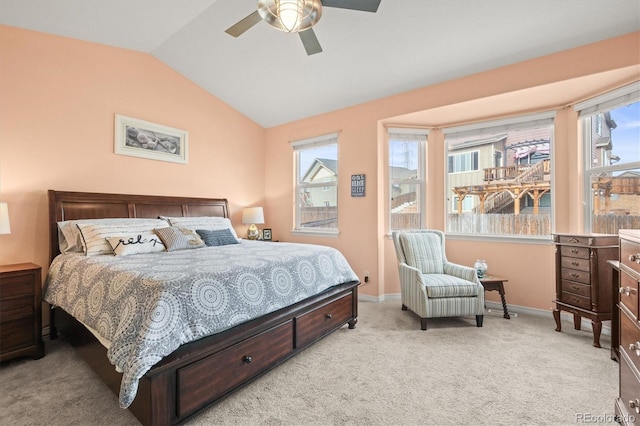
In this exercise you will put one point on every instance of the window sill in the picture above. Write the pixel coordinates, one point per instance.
(332, 233)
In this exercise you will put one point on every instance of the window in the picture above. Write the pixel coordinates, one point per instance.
(465, 162)
(499, 177)
(406, 178)
(611, 140)
(316, 192)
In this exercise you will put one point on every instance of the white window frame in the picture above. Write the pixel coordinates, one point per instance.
(299, 146)
(411, 135)
(470, 154)
(620, 97)
(543, 118)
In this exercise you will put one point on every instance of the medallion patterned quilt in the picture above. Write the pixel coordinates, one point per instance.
(147, 305)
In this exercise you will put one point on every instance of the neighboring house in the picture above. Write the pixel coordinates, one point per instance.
(321, 170)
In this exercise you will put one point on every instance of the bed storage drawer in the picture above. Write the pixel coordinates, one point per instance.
(311, 325)
(231, 367)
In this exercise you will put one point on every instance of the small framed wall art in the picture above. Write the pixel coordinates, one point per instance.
(266, 234)
(139, 138)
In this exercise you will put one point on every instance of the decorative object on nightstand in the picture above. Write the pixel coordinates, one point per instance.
(252, 216)
(481, 268)
(266, 234)
(583, 279)
(20, 311)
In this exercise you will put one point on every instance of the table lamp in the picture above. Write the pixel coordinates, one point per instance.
(252, 216)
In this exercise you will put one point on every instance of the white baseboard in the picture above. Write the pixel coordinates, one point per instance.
(497, 306)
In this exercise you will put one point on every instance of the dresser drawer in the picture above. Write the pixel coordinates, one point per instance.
(575, 300)
(574, 275)
(16, 285)
(321, 320)
(583, 290)
(575, 263)
(232, 366)
(17, 334)
(629, 293)
(16, 308)
(630, 254)
(630, 338)
(579, 252)
(582, 240)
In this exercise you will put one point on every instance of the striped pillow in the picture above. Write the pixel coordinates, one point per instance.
(218, 237)
(179, 238)
(94, 235)
(203, 222)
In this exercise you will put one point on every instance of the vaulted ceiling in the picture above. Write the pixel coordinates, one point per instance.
(266, 74)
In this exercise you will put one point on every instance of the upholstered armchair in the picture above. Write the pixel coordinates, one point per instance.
(430, 285)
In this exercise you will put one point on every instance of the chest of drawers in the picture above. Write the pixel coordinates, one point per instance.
(20, 311)
(583, 279)
(627, 404)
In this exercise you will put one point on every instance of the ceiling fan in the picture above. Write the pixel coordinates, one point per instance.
(298, 16)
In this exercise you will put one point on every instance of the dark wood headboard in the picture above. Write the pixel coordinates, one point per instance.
(65, 205)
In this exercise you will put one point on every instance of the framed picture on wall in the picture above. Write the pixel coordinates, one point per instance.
(139, 138)
(266, 234)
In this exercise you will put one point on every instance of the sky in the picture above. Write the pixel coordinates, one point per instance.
(626, 137)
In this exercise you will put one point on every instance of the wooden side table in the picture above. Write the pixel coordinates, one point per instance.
(20, 311)
(492, 283)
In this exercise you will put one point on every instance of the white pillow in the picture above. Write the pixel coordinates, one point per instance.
(203, 222)
(94, 235)
(142, 242)
(70, 238)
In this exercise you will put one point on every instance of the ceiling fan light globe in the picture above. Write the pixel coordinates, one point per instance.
(290, 15)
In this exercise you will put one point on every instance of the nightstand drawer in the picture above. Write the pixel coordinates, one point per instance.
(17, 334)
(20, 311)
(16, 285)
(16, 308)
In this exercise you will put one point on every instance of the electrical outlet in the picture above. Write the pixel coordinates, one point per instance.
(366, 276)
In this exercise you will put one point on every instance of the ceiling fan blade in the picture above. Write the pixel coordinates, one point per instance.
(244, 24)
(363, 5)
(310, 41)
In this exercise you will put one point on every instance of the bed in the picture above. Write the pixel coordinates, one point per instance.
(205, 367)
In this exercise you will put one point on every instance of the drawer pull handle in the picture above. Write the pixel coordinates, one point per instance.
(634, 258)
(575, 275)
(635, 347)
(575, 263)
(627, 291)
(574, 240)
(574, 251)
(248, 359)
(328, 316)
(635, 404)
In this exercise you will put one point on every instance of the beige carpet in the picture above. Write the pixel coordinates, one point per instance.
(385, 372)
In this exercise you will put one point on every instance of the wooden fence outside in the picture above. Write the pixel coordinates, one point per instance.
(319, 217)
(500, 224)
(610, 224)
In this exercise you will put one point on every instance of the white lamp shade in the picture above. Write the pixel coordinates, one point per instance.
(252, 215)
(5, 226)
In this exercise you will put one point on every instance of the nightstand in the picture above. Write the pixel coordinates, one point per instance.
(20, 311)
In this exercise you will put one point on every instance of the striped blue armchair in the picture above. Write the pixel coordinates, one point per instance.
(430, 285)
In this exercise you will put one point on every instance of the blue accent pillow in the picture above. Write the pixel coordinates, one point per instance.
(217, 237)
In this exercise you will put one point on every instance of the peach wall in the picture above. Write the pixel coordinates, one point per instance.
(58, 97)
(550, 82)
